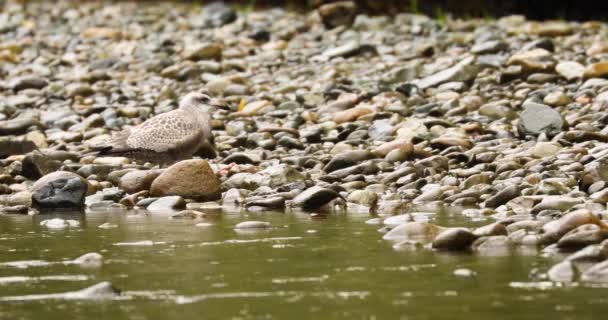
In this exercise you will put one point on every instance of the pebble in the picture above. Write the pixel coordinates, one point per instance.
(253, 225)
(538, 118)
(58, 223)
(166, 205)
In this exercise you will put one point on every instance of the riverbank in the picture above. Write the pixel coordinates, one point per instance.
(332, 112)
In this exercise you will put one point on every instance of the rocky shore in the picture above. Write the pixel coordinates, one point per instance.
(332, 112)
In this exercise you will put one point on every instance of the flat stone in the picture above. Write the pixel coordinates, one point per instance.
(538, 118)
(167, 205)
(464, 70)
(535, 60)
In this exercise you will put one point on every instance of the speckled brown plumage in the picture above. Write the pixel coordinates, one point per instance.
(167, 137)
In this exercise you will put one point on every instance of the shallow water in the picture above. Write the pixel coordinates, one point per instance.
(332, 268)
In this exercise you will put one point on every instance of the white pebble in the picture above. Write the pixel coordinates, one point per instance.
(462, 272)
(58, 223)
(253, 225)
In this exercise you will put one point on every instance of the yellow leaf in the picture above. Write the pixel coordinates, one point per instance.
(242, 104)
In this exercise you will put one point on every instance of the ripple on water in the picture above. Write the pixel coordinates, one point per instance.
(27, 279)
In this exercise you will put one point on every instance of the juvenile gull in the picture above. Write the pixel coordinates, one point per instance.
(168, 137)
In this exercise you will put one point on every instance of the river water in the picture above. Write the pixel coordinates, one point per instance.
(337, 267)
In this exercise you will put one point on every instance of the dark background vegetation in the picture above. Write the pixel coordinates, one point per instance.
(533, 9)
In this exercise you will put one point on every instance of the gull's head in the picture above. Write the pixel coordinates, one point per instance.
(199, 99)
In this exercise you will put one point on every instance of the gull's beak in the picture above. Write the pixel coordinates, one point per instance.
(218, 103)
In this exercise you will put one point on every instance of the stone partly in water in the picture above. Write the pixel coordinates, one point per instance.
(253, 225)
(192, 179)
(58, 223)
(167, 205)
(59, 190)
(454, 239)
(582, 236)
(419, 231)
(314, 197)
(597, 273)
(564, 271)
(554, 230)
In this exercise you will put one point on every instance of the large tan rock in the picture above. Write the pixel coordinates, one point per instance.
(192, 179)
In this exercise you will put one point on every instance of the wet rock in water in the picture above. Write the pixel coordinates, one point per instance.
(58, 223)
(138, 180)
(591, 253)
(166, 205)
(491, 244)
(89, 260)
(340, 13)
(314, 197)
(102, 290)
(397, 220)
(538, 118)
(59, 190)
(193, 179)
(421, 231)
(564, 271)
(253, 225)
(188, 214)
(463, 272)
(19, 209)
(454, 239)
(554, 230)
(363, 197)
(493, 229)
(597, 273)
(269, 203)
(408, 245)
(582, 236)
